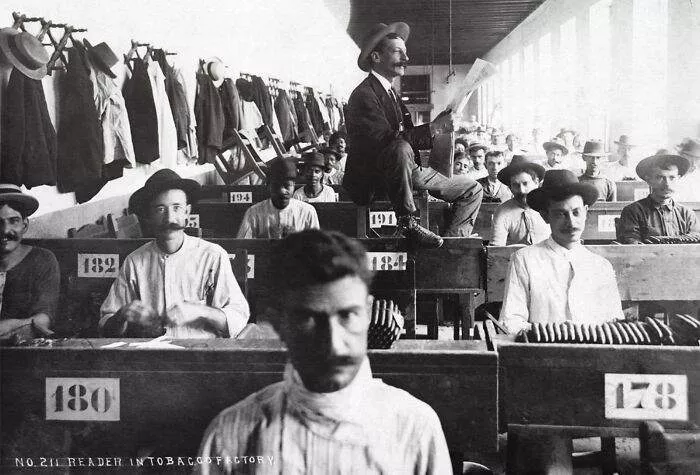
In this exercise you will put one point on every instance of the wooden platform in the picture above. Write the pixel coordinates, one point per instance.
(166, 398)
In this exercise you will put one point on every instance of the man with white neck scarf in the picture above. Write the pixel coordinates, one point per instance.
(329, 415)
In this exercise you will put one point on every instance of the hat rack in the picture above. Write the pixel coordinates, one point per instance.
(19, 21)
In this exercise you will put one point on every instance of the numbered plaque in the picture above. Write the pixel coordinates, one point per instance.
(82, 399)
(98, 265)
(240, 197)
(646, 396)
(606, 223)
(387, 261)
(378, 219)
(193, 221)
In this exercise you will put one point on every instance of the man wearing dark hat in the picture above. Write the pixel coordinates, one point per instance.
(177, 285)
(383, 143)
(477, 153)
(658, 214)
(29, 275)
(314, 191)
(689, 189)
(514, 221)
(619, 169)
(556, 154)
(329, 415)
(281, 214)
(494, 190)
(594, 155)
(559, 280)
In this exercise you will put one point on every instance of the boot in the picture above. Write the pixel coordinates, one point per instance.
(418, 234)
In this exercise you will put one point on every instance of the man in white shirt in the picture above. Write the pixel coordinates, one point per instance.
(314, 191)
(280, 214)
(558, 279)
(329, 415)
(556, 155)
(514, 222)
(513, 147)
(477, 153)
(494, 190)
(620, 168)
(176, 285)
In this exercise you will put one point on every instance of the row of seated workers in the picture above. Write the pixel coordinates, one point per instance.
(326, 413)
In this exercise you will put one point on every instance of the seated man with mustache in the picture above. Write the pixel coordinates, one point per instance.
(329, 414)
(29, 276)
(177, 285)
(558, 279)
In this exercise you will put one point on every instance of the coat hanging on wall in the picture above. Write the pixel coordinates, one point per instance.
(138, 96)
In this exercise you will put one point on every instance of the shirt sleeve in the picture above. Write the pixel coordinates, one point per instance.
(48, 283)
(612, 295)
(122, 292)
(515, 311)
(208, 449)
(312, 219)
(692, 226)
(245, 230)
(228, 298)
(499, 229)
(628, 229)
(433, 455)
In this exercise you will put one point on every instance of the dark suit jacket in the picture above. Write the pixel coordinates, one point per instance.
(372, 124)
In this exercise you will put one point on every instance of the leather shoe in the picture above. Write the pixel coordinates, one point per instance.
(418, 234)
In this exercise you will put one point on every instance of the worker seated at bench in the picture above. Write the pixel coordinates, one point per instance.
(329, 415)
(177, 285)
(29, 275)
(514, 221)
(335, 173)
(658, 214)
(494, 190)
(558, 279)
(314, 191)
(281, 214)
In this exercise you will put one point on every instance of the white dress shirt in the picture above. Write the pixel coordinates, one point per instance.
(327, 195)
(199, 272)
(513, 224)
(264, 221)
(546, 282)
(368, 427)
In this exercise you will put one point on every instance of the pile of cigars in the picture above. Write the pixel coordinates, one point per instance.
(684, 330)
(385, 326)
(672, 240)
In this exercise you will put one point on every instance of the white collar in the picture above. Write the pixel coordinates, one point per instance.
(386, 84)
(561, 250)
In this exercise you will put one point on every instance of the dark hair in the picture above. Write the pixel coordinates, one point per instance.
(20, 208)
(461, 155)
(382, 43)
(335, 137)
(463, 142)
(533, 174)
(494, 153)
(317, 257)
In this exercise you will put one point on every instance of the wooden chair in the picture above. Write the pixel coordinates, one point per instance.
(124, 227)
(245, 143)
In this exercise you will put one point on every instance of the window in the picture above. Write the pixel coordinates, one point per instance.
(568, 56)
(597, 80)
(544, 86)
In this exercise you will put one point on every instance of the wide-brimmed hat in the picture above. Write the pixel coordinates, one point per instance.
(557, 185)
(102, 57)
(625, 140)
(519, 164)
(594, 148)
(12, 194)
(375, 35)
(160, 181)
(547, 146)
(645, 165)
(314, 159)
(281, 169)
(690, 147)
(24, 51)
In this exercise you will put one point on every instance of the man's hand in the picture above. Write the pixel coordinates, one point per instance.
(143, 318)
(443, 123)
(185, 312)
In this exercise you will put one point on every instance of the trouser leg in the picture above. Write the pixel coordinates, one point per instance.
(395, 165)
(463, 192)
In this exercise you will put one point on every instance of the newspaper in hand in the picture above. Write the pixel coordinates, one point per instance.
(480, 71)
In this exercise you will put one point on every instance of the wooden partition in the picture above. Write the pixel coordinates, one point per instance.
(644, 271)
(159, 402)
(631, 190)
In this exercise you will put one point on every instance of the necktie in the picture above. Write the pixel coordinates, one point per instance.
(528, 228)
(397, 108)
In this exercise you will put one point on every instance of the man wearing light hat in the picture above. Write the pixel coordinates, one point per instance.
(281, 214)
(594, 154)
(177, 285)
(620, 169)
(383, 143)
(558, 279)
(658, 214)
(314, 191)
(689, 186)
(556, 154)
(29, 275)
(514, 221)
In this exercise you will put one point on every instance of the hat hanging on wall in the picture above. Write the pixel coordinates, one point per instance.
(24, 51)
(102, 56)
